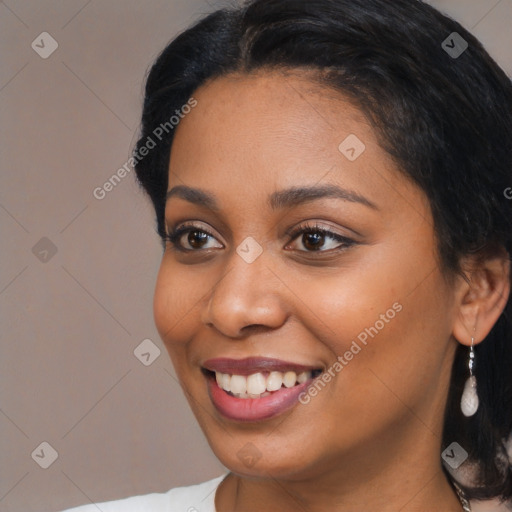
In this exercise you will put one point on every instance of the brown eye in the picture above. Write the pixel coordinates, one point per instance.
(318, 239)
(193, 238)
(197, 239)
(313, 241)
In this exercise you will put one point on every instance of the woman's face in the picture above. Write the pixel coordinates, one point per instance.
(258, 289)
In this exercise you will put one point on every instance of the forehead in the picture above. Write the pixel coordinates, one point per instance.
(268, 130)
(284, 102)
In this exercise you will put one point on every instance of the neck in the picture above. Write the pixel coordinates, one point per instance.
(404, 476)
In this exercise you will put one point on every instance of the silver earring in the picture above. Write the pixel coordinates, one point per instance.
(469, 401)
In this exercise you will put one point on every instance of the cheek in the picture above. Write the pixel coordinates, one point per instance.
(390, 314)
(339, 307)
(176, 303)
(403, 358)
(392, 343)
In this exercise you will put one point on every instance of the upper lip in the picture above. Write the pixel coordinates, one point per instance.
(251, 365)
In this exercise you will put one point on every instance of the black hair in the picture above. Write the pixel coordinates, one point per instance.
(445, 118)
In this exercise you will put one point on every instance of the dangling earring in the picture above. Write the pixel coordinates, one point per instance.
(469, 401)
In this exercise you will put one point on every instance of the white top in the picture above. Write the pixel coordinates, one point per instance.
(194, 498)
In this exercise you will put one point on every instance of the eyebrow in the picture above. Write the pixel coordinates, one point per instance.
(194, 195)
(297, 195)
(281, 199)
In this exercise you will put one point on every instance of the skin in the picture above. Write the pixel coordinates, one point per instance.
(371, 439)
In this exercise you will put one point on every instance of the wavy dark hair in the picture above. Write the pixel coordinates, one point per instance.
(446, 120)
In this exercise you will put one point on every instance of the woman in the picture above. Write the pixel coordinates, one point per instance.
(331, 182)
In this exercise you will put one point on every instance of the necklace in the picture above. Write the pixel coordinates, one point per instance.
(462, 498)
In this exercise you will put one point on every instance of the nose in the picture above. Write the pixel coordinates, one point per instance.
(248, 296)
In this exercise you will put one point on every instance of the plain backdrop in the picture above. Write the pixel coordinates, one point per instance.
(77, 272)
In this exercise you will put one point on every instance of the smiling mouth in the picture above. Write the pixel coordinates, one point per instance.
(260, 384)
(256, 389)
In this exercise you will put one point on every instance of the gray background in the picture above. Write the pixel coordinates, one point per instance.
(72, 320)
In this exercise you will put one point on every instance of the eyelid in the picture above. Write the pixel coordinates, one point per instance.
(344, 241)
(176, 232)
(324, 225)
(192, 224)
(314, 225)
(174, 235)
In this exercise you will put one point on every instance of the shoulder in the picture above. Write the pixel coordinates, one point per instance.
(193, 498)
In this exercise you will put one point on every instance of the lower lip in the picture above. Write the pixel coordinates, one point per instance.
(254, 409)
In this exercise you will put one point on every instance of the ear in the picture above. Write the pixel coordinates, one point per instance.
(481, 296)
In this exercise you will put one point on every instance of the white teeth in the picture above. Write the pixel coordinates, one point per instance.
(225, 381)
(289, 380)
(257, 385)
(303, 377)
(274, 381)
(238, 384)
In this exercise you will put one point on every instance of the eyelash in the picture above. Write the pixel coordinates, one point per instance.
(174, 236)
(315, 228)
